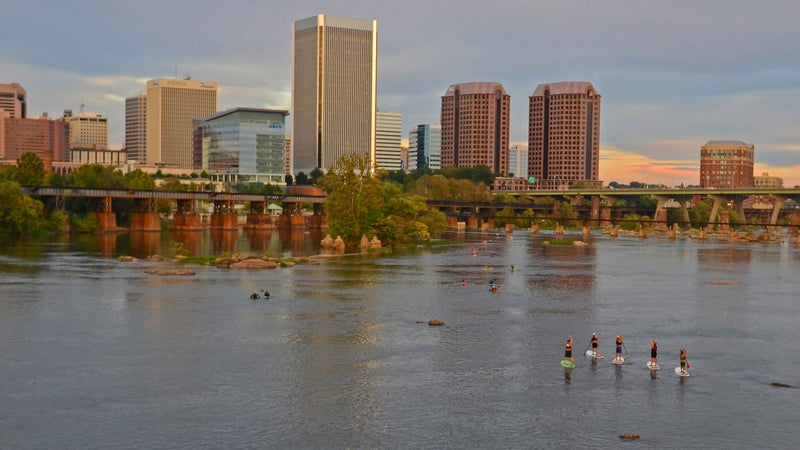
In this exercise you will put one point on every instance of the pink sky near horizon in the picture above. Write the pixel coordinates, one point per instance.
(625, 166)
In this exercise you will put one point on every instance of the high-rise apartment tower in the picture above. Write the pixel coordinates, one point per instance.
(334, 88)
(726, 164)
(475, 121)
(171, 106)
(564, 134)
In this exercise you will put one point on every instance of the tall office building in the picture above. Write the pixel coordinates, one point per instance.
(242, 145)
(518, 162)
(425, 146)
(87, 130)
(388, 136)
(564, 134)
(475, 121)
(172, 104)
(47, 138)
(136, 127)
(334, 88)
(13, 100)
(726, 164)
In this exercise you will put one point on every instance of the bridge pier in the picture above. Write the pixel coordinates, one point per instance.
(106, 217)
(185, 217)
(258, 217)
(605, 218)
(660, 218)
(224, 216)
(107, 220)
(145, 217)
(318, 220)
(288, 221)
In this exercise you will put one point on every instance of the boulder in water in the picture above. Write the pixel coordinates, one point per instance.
(629, 436)
(168, 272)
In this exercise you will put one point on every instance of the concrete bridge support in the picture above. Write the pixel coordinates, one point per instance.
(224, 216)
(605, 218)
(146, 217)
(258, 217)
(105, 216)
(318, 220)
(185, 217)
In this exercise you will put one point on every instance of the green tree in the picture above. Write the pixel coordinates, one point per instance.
(19, 213)
(9, 173)
(301, 179)
(504, 216)
(354, 200)
(315, 175)
(31, 170)
(140, 180)
(95, 176)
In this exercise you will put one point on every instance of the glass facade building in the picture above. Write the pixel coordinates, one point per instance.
(425, 146)
(242, 145)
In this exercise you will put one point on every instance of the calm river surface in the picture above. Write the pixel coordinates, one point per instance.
(95, 353)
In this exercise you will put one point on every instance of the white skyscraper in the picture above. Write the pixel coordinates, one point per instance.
(388, 135)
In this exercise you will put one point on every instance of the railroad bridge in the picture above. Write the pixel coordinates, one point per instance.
(187, 216)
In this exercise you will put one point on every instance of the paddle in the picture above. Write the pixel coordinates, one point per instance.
(627, 353)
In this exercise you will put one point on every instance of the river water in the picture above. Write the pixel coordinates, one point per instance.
(95, 353)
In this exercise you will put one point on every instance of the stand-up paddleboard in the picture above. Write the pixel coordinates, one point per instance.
(680, 372)
(618, 361)
(594, 355)
(566, 364)
(653, 366)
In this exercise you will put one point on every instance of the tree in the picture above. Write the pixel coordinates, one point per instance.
(140, 180)
(19, 213)
(301, 179)
(354, 199)
(95, 176)
(315, 175)
(289, 179)
(31, 170)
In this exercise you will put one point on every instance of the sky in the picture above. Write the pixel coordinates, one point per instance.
(672, 74)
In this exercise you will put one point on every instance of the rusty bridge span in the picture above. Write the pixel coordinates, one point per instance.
(187, 215)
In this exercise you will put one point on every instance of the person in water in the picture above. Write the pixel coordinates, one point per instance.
(683, 360)
(595, 343)
(618, 356)
(266, 293)
(254, 295)
(653, 352)
(568, 349)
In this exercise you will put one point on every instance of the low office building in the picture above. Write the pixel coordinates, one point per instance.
(242, 145)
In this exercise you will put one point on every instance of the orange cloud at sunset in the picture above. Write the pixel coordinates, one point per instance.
(624, 166)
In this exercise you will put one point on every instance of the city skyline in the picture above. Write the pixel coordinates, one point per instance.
(673, 76)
